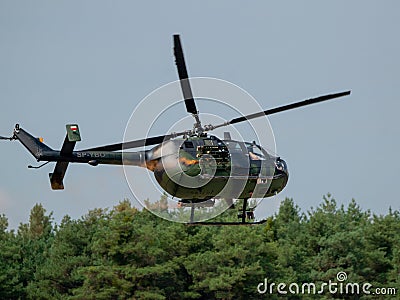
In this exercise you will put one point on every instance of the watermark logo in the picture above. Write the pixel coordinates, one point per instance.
(341, 276)
(340, 286)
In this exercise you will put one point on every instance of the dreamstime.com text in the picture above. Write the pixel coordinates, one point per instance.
(340, 287)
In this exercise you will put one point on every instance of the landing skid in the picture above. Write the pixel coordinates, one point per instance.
(243, 216)
(226, 223)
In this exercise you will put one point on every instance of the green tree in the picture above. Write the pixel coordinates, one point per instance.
(57, 276)
(124, 253)
(232, 266)
(22, 253)
(10, 285)
(135, 254)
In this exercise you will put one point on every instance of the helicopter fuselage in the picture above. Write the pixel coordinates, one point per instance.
(206, 167)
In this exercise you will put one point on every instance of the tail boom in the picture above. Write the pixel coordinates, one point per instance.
(34, 145)
(66, 155)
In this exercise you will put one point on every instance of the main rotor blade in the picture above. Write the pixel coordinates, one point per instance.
(283, 108)
(183, 76)
(135, 144)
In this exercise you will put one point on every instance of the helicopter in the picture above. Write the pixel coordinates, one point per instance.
(193, 165)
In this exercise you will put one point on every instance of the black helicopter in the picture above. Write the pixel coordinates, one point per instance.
(191, 165)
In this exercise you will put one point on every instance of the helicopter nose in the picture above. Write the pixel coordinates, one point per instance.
(281, 165)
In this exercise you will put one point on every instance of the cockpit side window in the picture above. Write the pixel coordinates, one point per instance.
(208, 143)
(189, 144)
(234, 147)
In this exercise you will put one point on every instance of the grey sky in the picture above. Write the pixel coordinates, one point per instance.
(91, 62)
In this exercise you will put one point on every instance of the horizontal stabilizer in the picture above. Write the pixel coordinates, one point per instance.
(56, 178)
(73, 136)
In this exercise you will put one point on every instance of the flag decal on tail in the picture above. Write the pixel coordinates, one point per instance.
(73, 133)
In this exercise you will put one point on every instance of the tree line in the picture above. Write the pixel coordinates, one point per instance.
(124, 253)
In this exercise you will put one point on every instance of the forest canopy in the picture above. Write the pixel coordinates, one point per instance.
(123, 253)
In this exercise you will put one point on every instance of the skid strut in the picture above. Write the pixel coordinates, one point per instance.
(243, 215)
